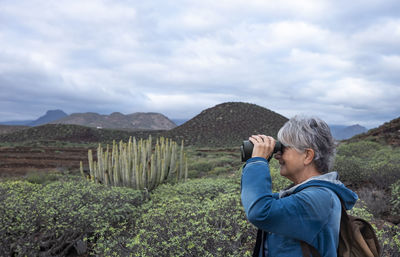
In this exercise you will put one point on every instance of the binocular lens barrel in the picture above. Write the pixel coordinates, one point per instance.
(247, 149)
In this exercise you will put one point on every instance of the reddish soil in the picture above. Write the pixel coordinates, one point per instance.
(17, 161)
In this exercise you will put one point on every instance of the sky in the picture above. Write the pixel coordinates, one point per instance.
(337, 60)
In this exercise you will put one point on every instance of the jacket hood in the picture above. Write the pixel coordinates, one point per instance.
(329, 180)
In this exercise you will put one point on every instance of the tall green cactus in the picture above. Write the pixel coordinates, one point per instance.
(135, 164)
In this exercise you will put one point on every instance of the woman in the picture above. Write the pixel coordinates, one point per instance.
(310, 210)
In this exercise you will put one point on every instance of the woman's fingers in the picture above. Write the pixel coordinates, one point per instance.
(263, 145)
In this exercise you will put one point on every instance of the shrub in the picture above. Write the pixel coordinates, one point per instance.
(212, 165)
(37, 177)
(278, 182)
(360, 210)
(368, 162)
(375, 200)
(389, 238)
(197, 218)
(395, 199)
(61, 218)
(220, 171)
(200, 167)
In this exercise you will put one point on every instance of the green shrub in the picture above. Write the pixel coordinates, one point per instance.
(368, 162)
(40, 177)
(389, 238)
(395, 199)
(278, 181)
(201, 166)
(198, 218)
(61, 218)
(220, 171)
(212, 162)
(360, 210)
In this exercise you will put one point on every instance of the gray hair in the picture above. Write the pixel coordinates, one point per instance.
(302, 132)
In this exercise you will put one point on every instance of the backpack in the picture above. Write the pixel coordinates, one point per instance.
(357, 238)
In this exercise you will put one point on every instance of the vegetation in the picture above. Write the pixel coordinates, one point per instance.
(54, 134)
(367, 162)
(227, 124)
(210, 208)
(212, 162)
(135, 165)
(63, 217)
(49, 214)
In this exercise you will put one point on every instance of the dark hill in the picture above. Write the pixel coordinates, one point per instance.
(228, 124)
(4, 129)
(71, 133)
(388, 133)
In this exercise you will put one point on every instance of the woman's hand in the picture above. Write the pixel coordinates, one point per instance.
(263, 145)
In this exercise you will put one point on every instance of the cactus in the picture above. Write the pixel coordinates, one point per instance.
(134, 164)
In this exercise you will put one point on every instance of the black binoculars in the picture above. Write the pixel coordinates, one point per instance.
(247, 149)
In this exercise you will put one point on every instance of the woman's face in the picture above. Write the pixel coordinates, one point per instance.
(291, 162)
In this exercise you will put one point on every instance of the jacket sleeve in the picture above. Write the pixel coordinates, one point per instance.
(300, 216)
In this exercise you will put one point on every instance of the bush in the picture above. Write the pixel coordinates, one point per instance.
(197, 218)
(375, 200)
(395, 199)
(389, 238)
(368, 162)
(37, 177)
(63, 217)
(212, 165)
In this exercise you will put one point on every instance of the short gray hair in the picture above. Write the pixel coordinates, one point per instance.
(302, 132)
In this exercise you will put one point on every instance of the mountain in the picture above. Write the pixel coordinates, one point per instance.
(116, 120)
(387, 133)
(227, 124)
(340, 132)
(179, 121)
(50, 116)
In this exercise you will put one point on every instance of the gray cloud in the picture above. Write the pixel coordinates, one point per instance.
(334, 59)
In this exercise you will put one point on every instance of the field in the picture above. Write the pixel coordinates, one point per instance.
(49, 209)
(24, 159)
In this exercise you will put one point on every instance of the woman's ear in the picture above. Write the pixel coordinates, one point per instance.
(309, 156)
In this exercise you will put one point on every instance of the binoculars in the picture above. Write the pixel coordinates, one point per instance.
(246, 149)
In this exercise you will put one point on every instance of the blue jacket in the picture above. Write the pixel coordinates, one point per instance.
(307, 212)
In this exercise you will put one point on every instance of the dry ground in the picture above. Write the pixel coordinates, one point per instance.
(17, 161)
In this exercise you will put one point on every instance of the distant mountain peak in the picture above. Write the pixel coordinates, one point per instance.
(50, 116)
(57, 111)
(341, 132)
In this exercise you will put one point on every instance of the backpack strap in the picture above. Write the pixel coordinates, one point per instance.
(259, 244)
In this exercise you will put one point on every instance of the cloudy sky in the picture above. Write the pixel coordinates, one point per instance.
(339, 60)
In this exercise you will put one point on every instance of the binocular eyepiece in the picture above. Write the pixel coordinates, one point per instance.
(247, 149)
